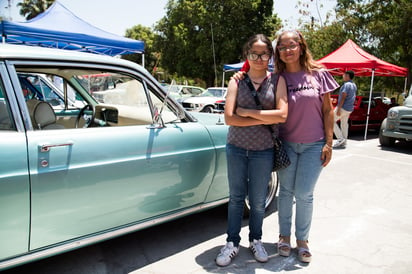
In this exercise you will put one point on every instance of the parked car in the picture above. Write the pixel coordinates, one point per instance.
(385, 100)
(39, 86)
(85, 172)
(357, 119)
(206, 101)
(220, 106)
(180, 92)
(398, 123)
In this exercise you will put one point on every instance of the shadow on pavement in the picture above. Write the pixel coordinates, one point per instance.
(400, 147)
(138, 249)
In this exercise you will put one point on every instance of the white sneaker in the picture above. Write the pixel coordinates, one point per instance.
(340, 144)
(259, 251)
(227, 253)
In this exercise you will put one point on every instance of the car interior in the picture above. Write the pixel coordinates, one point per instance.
(61, 98)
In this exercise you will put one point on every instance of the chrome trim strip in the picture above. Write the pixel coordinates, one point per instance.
(8, 263)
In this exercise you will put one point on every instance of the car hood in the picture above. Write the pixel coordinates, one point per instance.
(208, 118)
(408, 102)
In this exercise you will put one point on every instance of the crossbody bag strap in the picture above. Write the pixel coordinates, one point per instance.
(274, 79)
(253, 90)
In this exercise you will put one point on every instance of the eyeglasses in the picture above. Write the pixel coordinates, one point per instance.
(290, 47)
(254, 56)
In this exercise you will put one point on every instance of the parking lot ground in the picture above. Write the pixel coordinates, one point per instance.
(362, 224)
(362, 221)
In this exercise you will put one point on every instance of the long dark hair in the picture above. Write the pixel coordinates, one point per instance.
(305, 59)
(254, 39)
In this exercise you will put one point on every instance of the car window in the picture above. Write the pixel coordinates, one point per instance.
(128, 96)
(214, 92)
(87, 97)
(6, 122)
(45, 89)
(365, 103)
(196, 91)
(49, 88)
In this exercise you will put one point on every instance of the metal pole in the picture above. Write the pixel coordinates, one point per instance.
(369, 104)
(214, 56)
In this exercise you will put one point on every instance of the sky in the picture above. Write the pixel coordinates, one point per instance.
(123, 14)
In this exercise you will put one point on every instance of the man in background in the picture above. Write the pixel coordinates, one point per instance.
(344, 108)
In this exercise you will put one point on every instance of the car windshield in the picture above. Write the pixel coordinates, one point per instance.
(212, 92)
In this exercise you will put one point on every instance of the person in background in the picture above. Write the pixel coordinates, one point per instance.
(393, 102)
(307, 136)
(346, 100)
(249, 147)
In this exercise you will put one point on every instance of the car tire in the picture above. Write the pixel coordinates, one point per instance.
(384, 140)
(208, 109)
(270, 196)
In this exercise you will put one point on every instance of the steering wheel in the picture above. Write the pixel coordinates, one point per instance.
(87, 117)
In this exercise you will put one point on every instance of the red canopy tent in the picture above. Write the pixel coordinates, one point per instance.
(350, 56)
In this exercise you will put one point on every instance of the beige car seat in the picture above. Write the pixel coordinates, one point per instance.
(42, 115)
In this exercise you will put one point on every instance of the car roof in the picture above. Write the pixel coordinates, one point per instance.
(8, 51)
(22, 52)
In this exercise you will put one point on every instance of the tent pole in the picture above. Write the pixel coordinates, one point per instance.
(404, 86)
(369, 104)
(223, 79)
(142, 59)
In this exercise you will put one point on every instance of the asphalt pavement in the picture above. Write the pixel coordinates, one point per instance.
(362, 223)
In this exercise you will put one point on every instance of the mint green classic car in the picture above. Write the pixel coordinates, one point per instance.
(80, 165)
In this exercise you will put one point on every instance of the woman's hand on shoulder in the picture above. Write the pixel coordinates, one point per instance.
(238, 76)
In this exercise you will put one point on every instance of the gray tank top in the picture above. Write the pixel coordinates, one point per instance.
(254, 137)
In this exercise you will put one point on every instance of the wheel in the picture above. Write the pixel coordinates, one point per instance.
(208, 109)
(270, 196)
(82, 113)
(384, 140)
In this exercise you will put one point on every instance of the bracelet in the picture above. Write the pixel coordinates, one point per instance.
(328, 146)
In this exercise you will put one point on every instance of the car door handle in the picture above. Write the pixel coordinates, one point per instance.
(47, 147)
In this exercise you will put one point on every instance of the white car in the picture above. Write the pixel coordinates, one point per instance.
(385, 100)
(206, 102)
(398, 123)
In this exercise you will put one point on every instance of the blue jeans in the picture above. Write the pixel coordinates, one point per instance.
(298, 181)
(249, 172)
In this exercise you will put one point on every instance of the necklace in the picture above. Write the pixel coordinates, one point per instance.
(260, 78)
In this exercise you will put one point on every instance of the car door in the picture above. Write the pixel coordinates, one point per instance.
(87, 180)
(14, 175)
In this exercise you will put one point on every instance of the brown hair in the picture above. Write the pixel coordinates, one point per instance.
(305, 59)
(254, 39)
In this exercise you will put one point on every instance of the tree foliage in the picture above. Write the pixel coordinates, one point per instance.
(31, 8)
(151, 55)
(381, 27)
(197, 36)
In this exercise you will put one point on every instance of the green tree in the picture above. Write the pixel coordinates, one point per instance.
(31, 8)
(196, 36)
(151, 56)
(384, 29)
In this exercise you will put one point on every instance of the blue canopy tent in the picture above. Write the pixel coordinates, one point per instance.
(59, 28)
(230, 67)
(237, 67)
(233, 67)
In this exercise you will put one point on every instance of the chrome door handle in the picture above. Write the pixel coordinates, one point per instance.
(46, 147)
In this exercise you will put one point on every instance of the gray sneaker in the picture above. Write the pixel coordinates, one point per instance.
(226, 254)
(259, 251)
(340, 144)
